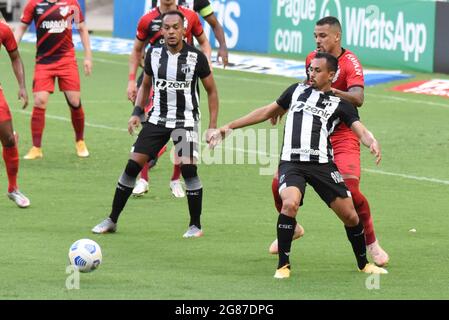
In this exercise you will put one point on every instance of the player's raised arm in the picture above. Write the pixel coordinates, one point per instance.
(259, 115)
(84, 35)
(367, 139)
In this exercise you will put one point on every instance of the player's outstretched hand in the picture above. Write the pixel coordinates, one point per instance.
(275, 120)
(217, 135)
(87, 67)
(222, 55)
(23, 95)
(133, 124)
(375, 150)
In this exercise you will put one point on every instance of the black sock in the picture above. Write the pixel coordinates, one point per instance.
(195, 199)
(285, 229)
(124, 189)
(356, 236)
(122, 193)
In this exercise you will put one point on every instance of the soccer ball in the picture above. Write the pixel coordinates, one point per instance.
(85, 255)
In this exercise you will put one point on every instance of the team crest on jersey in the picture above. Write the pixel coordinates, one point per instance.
(64, 11)
(40, 11)
(185, 68)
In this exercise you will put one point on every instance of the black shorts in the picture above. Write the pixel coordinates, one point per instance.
(152, 138)
(323, 177)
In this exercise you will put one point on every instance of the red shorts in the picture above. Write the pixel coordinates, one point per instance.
(65, 70)
(347, 156)
(5, 114)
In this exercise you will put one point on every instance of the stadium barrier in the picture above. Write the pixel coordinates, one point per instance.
(405, 34)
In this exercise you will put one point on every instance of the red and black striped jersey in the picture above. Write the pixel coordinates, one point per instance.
(53, 28)
(7, 37)
(149, 26)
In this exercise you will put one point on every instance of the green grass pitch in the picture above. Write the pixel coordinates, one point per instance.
(148, 258)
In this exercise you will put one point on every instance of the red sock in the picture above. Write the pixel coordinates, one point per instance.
(144, 172)
(11, 157)
(37, 126)
(362, 207)
(78, 122)
(275, 190)
(176, 172)
(162, 151)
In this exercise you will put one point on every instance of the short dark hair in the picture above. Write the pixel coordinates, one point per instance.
(173, 12)
(332, 21)
(331, 61)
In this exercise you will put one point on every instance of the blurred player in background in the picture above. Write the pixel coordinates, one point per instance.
(205, 10)
(7, 135)
(55, 58)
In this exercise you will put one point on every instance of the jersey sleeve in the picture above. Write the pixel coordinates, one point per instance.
(285, 99)
(28, 12)
(348, 113)
(203, 69)
(354, 73)
(142, 28)
(203, 7)
(197, 28)
(7, 37)
(80, 17)
(148, 69)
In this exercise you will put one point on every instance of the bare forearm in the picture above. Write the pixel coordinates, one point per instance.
(142, 95)
(19, 72)
(20, 31)
(213, 109)
(84, 35)
(219, 35)
(355, 97)
(254, 117)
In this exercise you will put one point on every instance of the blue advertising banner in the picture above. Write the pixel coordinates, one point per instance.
(126, 16)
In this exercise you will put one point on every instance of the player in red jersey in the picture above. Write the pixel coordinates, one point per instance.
(205, 10)
(7, 136)
(349, 85)
(55, 58)
(149, 32)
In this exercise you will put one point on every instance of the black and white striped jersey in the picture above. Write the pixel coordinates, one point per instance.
(175, 80)
(311, 119)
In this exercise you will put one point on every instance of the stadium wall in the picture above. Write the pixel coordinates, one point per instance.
(384, 33)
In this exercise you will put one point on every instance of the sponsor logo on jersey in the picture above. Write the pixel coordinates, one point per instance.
(40, 11)
(177, 85)
(322, 113)
(54, 26)
(312, 152)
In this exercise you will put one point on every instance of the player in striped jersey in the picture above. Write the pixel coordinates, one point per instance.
(349, 85)
(306, 157)
(149, 32)
(7, 136)
(55, 58)
(174, 70)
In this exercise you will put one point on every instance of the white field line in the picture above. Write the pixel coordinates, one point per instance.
(99, 126)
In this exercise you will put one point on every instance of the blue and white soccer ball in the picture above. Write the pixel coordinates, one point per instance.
(85, 255)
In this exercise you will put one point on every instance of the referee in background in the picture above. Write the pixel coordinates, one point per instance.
(173, 70)
(307, 155)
